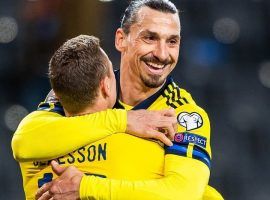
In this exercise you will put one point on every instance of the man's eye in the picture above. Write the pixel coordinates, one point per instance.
(149, 38)
(173, 42)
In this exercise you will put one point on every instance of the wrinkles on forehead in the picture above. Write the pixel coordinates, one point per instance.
(158, 18)
(164, 24)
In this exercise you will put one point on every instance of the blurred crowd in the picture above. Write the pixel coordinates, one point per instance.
(224, 63)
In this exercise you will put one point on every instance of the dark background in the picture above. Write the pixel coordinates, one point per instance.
(224, 62)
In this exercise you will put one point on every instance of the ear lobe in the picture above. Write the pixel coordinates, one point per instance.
(120, 40)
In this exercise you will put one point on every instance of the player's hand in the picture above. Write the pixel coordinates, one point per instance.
(159, 125)
(66, 186)
(51, 97)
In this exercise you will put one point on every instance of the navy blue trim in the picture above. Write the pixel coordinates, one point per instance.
(58, 108)
(147, 102)
(177, 149)
(202, 155)
(92, 174)
(198, 153)
(47, 177)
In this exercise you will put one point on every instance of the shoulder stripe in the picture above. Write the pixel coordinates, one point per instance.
(173, 96)
(185, 100)
(180, 102)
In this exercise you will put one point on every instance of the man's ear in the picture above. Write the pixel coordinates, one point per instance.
(105, 87)
(120, 40)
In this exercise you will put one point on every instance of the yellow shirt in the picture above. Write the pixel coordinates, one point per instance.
(121, 156)
(34, 143)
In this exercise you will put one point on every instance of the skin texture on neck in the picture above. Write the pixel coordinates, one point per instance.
(99, 105)
(133, 91)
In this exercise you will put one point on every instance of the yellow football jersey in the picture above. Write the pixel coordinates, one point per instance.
(122, 156)
(34, 159)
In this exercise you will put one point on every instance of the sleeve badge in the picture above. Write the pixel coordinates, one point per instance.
(190, 121)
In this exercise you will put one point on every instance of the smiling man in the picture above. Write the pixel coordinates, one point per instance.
(81, 75)
(149, 43)
(151, 47)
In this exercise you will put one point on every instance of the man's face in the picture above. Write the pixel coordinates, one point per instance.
(152, 46)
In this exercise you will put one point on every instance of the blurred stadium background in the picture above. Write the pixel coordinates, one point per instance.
(224, 62)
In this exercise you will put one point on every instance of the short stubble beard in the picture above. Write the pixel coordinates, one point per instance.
(153, 81)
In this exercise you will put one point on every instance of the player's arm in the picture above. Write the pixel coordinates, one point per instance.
(186, 175)
(187, 167)
(184, 179)
(43, 135)
(46, 134)
(185, 183)
(172, 186)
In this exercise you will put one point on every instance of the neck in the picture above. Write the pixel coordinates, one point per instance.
(96, 107)
(132, 89)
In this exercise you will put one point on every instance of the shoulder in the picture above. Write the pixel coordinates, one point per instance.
(184, 105)
(191, 116)
(176, 96)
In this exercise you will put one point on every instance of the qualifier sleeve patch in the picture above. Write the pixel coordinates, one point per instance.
(190, 120)
(186, 138)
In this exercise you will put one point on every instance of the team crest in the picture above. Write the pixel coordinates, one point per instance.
(190, 120)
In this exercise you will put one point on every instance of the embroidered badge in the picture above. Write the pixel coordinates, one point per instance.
(190, 120)
(187, 137)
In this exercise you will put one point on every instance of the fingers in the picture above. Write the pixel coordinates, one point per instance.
(175, 128)
(57, 168)
(44, 190)
(46, 196)
(166, 119)
(149, 124)
(168, 115)
(51, 97)
(161, 137)
(168, 112)
(170, 132)
(166, 122)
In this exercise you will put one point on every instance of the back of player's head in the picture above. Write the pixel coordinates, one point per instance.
(75, 72)
(130, 14)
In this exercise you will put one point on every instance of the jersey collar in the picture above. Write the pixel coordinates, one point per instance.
(147, 102)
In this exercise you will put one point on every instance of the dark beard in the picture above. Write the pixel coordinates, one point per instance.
(153, 81)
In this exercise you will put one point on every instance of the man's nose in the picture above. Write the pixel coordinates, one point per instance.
(161, 51)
